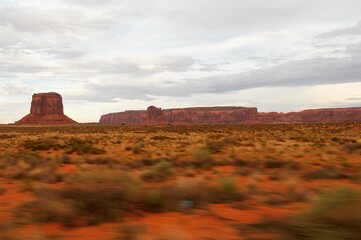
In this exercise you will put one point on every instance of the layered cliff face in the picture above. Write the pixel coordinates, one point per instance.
(200, 115)
(230, 115)
(127, 117)
(46, 108)
(326, 115)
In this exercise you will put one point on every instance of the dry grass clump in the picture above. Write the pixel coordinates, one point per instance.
(29, 165)
(274, 163)
(353, 148)
(94, 197)
(75, 206)
(41, 144)
(202, 158)
(82, 146)
(326, 172)
(72, 145)
(158, 172)
(226, 190)
(336, 214)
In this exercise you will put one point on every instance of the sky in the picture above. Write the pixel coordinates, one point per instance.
(115, 55)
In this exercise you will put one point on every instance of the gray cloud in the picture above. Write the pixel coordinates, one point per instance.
(354, 30)
(65, 53)
(102, 51)
(176, 63)
(57, 21)
(90, 3)
(293, 74)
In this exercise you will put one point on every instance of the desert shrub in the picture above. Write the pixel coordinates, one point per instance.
(244, 171)
(41, 144)
(158, 172)
(246, 163)
(215, 146)
(274, 163)
(202, 158)
(347, 164)
(183, 196)
(226, 190)
(353, 147)
(64, 158)
(293, 165)
(154, 200)
(75, 206)
(336, 214)
(327, 172)
(98, 176)
(29, 165)
(150, 161)
(161, 138)
(7, 136)
(101, 160)
(89, 199)
(81, 147)
(137, 148)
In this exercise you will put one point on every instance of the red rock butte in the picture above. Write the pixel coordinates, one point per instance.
(46, 108)
(229, 115)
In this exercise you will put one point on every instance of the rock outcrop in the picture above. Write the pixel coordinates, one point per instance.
(46, 108)
(325, 115)
(229, 115)
(197, 115)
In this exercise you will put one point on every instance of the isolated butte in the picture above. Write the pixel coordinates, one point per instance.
(46, 108)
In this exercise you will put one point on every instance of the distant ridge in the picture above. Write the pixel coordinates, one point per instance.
(229, 115)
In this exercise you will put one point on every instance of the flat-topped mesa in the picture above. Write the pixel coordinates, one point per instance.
(197, 115)
(46, 108)
(230, 115)
(323, 115)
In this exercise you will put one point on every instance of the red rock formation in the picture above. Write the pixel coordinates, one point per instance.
(199, 115)
(46, 108)
(230, 115)
(154, 114)
(127, 117)
(325, 115)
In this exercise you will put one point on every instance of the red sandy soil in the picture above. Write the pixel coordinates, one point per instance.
(216, 221)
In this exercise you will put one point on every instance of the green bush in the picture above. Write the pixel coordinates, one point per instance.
(202, 158)
(29, 165)
(41, 144)
(335, 215)
(137, 148)
(226, 190)
(153, 200)
(158, 172)
(81, 147)
(76, 206)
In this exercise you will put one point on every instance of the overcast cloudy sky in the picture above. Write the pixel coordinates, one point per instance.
(112, 55)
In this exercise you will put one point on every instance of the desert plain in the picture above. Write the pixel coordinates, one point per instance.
(251, 181)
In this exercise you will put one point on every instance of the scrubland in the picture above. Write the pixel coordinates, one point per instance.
(282, 181)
